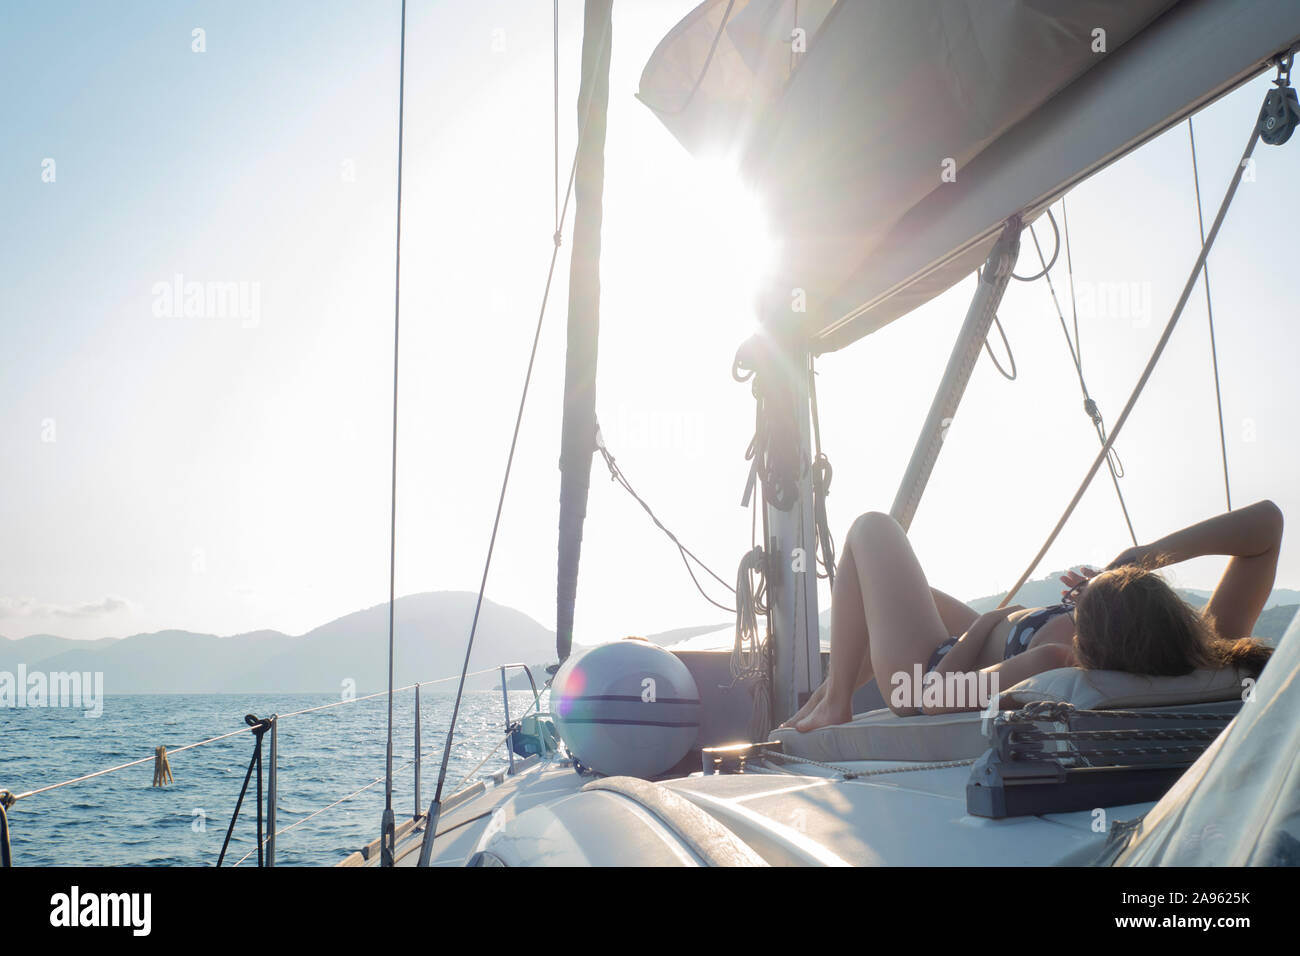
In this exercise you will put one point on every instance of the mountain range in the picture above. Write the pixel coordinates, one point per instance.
(430, 632)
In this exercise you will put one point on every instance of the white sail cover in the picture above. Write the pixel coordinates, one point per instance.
(1239, 804)
(1016, 100)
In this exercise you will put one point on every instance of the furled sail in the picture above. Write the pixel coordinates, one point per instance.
(578, 437)
(890, 153)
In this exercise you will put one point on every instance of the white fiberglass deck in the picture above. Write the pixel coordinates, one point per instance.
(911, 818)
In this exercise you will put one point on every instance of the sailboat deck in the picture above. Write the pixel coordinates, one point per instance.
(914, 817)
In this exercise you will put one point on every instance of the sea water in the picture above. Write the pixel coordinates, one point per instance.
(119, 819)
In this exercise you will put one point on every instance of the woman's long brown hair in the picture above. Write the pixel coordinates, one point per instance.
(1130, 619)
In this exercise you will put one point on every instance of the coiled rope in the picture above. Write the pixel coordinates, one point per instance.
(773, 462)
(749, 654)
(822, 472)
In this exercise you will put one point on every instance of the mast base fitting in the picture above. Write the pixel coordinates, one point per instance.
(733, 758)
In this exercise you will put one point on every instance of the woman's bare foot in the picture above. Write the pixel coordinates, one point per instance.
(807, 708)
(825, 714)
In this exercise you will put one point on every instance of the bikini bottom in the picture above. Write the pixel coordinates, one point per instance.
(939, 652)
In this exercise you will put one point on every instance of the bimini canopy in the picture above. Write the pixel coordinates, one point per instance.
(890, 152)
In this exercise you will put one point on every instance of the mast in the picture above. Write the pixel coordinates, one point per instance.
(792, 548)
(578, 435)
(779, 366)
(784, 371)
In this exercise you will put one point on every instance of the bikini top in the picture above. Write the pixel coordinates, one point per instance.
(1023, 630)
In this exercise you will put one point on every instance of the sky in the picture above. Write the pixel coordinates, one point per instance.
(230, 471)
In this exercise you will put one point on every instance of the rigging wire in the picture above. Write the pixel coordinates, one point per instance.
(496, 523)
(1069, 269)
(1209, 309)
(1151, 362)
(505, 480)
(387, 826)
(616, 474)
(1113, 463)
(555, 60)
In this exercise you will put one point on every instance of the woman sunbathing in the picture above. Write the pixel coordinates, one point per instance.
(886, 620)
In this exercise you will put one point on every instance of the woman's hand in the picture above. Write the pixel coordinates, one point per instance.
(1075, 580)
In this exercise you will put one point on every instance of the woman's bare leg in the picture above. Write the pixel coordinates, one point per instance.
(847, 618)
(956, 616)
(894, 624)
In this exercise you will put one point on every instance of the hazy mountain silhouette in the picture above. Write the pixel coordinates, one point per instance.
(430, 628)
(430, 634)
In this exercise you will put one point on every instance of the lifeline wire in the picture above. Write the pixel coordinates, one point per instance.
(173, 751)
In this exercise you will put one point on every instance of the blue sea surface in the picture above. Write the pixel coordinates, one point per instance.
(119, 819)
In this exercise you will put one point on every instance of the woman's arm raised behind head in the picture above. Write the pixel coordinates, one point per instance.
(1247, 532)
(1255, 540)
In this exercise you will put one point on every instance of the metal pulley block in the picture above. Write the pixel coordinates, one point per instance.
(1280, 113)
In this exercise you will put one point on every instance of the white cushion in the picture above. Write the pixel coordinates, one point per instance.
(881, 735)
(1120, 690)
